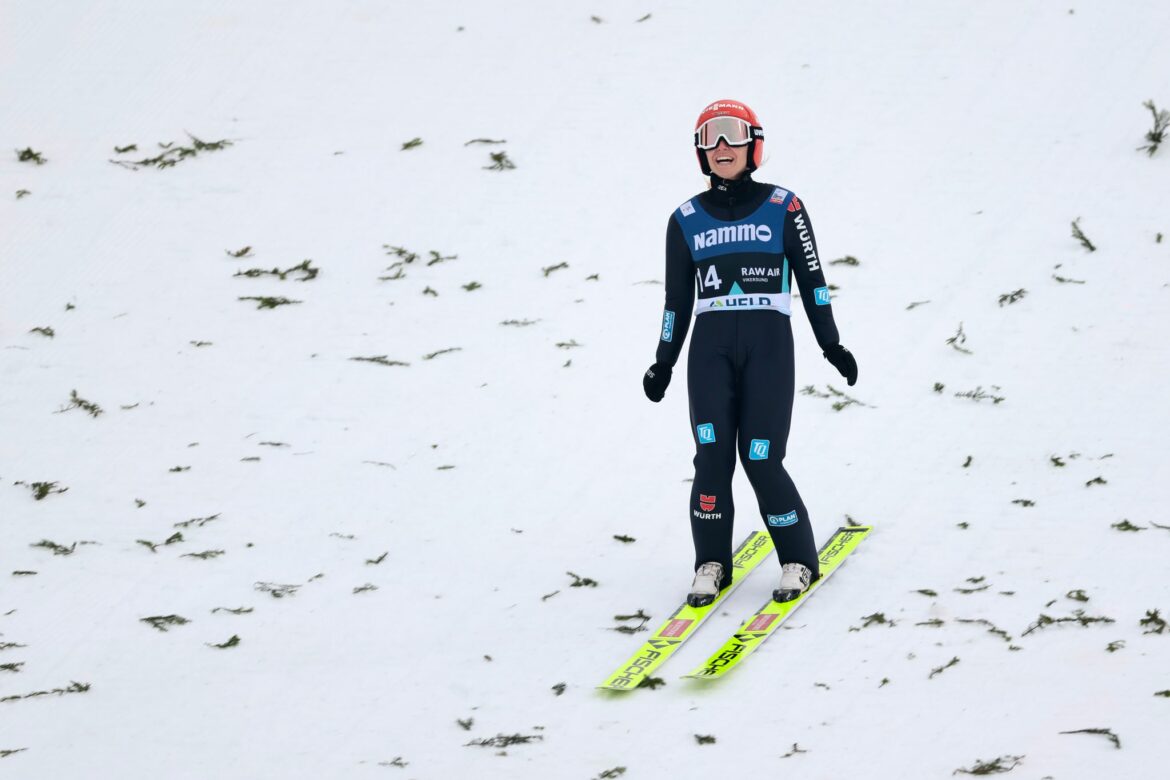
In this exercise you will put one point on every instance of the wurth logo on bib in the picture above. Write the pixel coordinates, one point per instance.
(806, 243)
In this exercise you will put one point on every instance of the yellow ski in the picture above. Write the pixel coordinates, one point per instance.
(769, 617)
(686, 619)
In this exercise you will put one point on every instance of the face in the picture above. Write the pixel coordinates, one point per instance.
(728, 162)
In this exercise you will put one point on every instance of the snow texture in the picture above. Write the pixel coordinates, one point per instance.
(948, 147)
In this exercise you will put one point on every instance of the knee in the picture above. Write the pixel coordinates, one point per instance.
(757, 470)
(761, 454)
(714, 459)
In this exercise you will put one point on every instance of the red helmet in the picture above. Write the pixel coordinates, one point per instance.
(755, 137)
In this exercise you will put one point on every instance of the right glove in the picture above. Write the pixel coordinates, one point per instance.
(655, 380)
(842, 360)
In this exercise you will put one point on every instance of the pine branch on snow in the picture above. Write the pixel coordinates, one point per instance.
(1079, 235)
(1108, 733)
(1157, 134)
(991, 767)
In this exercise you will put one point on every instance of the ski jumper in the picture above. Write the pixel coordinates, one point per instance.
(741, 243)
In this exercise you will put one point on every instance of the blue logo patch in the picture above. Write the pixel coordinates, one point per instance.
(667, 325)
(706, 433)
(777, 521)
(821, 296)
(759, 449)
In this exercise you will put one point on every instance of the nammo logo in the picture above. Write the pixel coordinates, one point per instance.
(728, 233)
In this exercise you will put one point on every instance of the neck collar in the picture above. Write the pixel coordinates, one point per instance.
(726, 191)
(731, 185)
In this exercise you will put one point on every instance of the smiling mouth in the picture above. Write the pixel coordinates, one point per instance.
(722, 160)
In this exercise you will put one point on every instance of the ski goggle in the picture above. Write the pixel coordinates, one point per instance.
(733, 130)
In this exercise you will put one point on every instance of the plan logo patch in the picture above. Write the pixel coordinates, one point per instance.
(706, 503)
(667, 325)
(687, 209)
(821, 296)
(779, 521)
(759, 449)
(706, 433)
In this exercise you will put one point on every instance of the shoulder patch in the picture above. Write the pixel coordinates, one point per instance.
(779, 195)
(687, 209)
(795, 204)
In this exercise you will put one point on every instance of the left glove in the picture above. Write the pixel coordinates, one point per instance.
(843, 360)
(655, 380)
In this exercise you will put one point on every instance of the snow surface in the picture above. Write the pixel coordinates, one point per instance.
(947, 146)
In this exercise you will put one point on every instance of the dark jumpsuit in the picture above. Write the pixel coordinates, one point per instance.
(740, 243)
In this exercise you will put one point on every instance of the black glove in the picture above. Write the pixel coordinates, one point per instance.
(655, 380)
(842, 360)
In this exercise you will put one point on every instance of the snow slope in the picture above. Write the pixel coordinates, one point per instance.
(948, 147)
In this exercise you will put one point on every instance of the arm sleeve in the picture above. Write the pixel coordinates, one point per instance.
(800, 246)
(680, 296)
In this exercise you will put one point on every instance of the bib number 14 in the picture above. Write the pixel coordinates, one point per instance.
(712, 280)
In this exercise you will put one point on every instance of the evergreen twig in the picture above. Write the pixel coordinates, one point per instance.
(172, 155)
(73, 687)
(1079, 235)
(500, 162)
(1108, 733)
(581, 582)
(28, 155)
(1153, 622)
(505, 740)
(268, 301)
(381, 360)
(996, 767)
(77, 402)
(1078, 616)
(1157, 134)
(164, 622)
(978, 395)
(958, 340)
(305, 267)
(943, 668)
(1010, 298)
